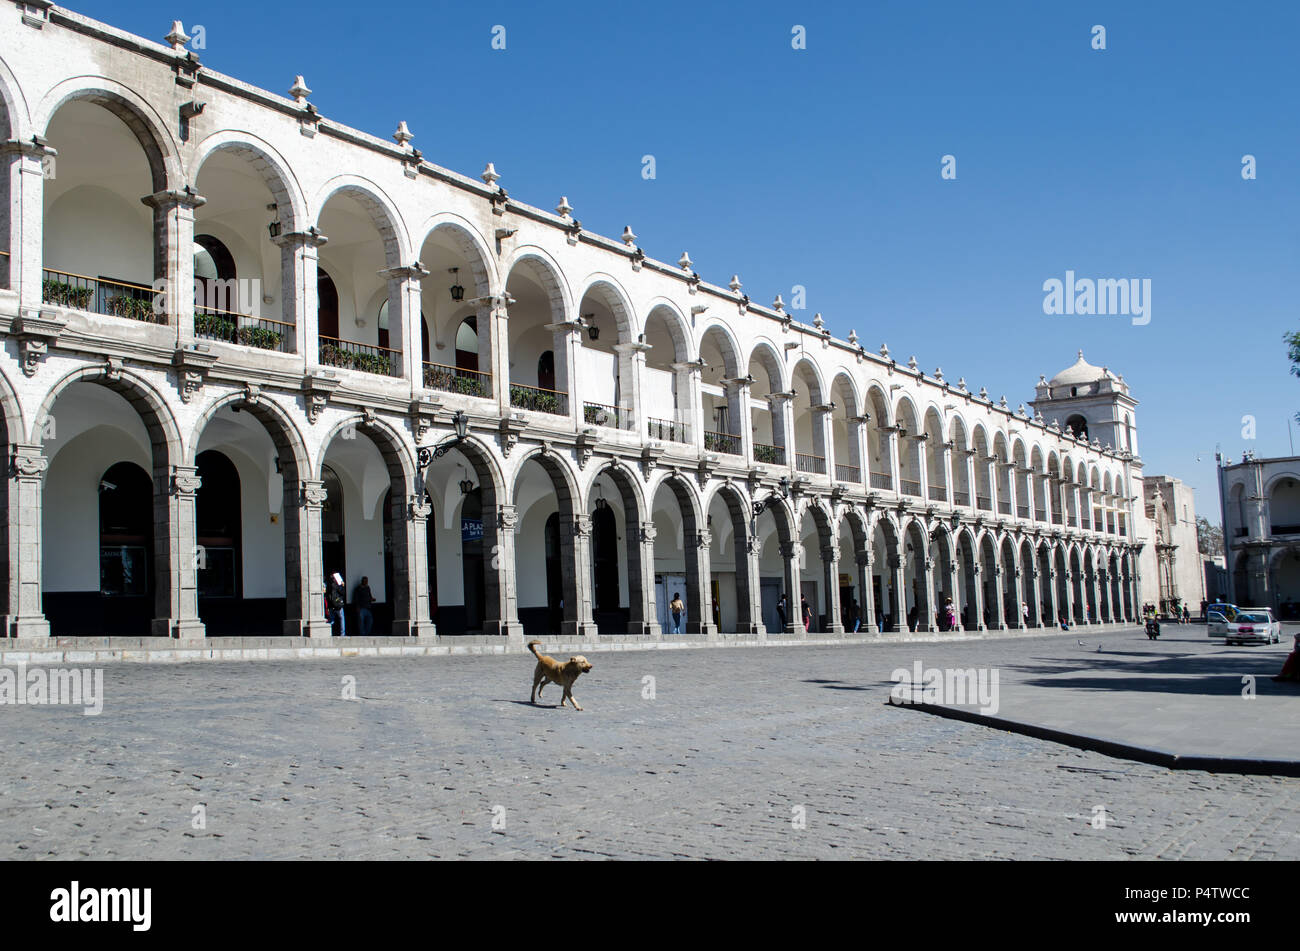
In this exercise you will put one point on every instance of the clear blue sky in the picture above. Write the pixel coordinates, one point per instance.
(821, 167)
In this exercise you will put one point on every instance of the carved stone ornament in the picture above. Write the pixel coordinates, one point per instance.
(507, 517)
(35, 333)
(508, 433)
(185, 482)
(312, 494)
(582, 525)
(648, 533)
(418, 507)
(27, 462)
(317, 389)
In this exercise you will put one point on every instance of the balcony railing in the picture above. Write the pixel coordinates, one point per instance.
(882, 480)
(984, 502)
(259, 332)
(111, 298)
(806, 462)
(1004, 506)
(351, 355)
(667, 429)
(772, 455)
(1022, 511)
(847, 473)
(938, 493)
(601, 414)
(722, 442)
(438, 376)
(539, 400)
(911, 488)
(961, 498)
(1057, 519)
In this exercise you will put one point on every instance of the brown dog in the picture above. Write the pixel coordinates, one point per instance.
(551, 671)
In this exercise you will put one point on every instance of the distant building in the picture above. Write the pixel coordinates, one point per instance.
(1170, 562)
(1261, 531)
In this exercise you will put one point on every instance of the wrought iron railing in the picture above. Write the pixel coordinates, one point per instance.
(984, 502)
(938, 493)
(722, 442)
(259, 332)
(360, 356)
(882, 480)
(448, 379)
(847, 473)
(1004, 506)
(1022, 511)
(667, 429)
(961, 498)
(112, 298)
(602, 414)
(1057, 519)
(539, 399)
(772, 455)
(806, 462)
(910, 487)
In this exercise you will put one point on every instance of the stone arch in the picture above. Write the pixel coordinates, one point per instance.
(470, 243)
(547, 271)
(383, 211)
(14, 120)
(749, 619)
(150, 129)
(642, 620)
(615, 297)
(730, 348)
(270, 165)
(679, 331)
(575, 586)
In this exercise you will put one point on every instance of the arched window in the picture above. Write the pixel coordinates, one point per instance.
(327, 305)
(214, 275)
(604, 558)
(217, 518)
(1078, 424)
(467, 347)
(546, 371)
(125, 531)
(333, 544)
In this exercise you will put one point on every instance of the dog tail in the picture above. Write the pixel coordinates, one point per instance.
(532, 646)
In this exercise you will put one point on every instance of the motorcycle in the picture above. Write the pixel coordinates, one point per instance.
(1153, 629)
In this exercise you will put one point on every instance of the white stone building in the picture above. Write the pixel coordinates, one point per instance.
(1261, 532)
(1171, 561)
(189, 463)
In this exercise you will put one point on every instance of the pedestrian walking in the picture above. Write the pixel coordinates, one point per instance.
(677, 607)
(806, 611)
(363, 599)
(781, 606)
(336, 600)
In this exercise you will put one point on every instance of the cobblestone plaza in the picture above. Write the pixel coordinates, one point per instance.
(724, 754)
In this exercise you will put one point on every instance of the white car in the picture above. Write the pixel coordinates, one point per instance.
(1253, 626)
(1217, 617)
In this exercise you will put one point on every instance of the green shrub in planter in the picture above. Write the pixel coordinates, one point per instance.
(66, 295)
(133, 308)
(214, 327)
(261, 337)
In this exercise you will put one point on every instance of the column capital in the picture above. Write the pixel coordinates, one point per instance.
(647, 533)
(418, 507)
(703, 538)
(185, 481)
(170, 198)
(312, 494)
(582, 525)
(507, 517)
(787, 550)
(404, 272)
(311, 238)
(28, 461)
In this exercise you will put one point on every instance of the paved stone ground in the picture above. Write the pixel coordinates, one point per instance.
(1182, 693)
(734, 744)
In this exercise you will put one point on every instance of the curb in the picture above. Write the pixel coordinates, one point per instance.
(1115, 749)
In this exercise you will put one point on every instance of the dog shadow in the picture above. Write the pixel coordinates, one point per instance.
(528, 703)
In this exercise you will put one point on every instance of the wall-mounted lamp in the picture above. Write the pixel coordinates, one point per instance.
(457, 291)
(274, 227)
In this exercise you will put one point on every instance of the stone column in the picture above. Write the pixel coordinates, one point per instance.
(501, 593)
(643, 613)
(404, 320)
(949, 482)
(411, 615)
(567, 342)
(866, 592)
(922, 463)
(783, 427)
(925, 620)
(631, 381)
(173, 247)
(687, 377)
(177, 555)
(499, 341)
(1000, 597)
(699, 618)
(739, 414)
(898, 603)
(23, 615)
(858, 449)
(972, 484)
(749, 617)
(823, 442)
(831, 574)
(575, 554)
(978, 584)
(24, 213)
(1104, 607)
(891, 444)
(304, 552)
(954, 585)
(790, 563)
(299, 304)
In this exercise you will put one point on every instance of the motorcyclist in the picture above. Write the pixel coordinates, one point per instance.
(1153, 627)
